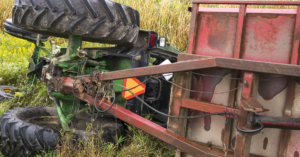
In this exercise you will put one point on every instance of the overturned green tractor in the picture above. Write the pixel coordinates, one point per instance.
(31, 130)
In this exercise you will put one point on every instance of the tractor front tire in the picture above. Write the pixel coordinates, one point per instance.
(33, 130)
(10, 29)
(95, 20)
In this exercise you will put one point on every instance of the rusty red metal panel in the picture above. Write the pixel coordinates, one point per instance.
(176, 125)
(293, 146)
(268, 37)
(216, 34)
(285, 135)
(159, 69)
(242, 143)
(193, 28)
(228, 63)
(247, 86)
(204, 106)
(249, 10)
(258, 66)
(239, 32)
(248, 2)
(231, 103)
(233, 83)
(296, 39)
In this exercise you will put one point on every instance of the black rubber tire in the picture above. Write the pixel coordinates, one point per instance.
(5, 96)
(95, 20)
(20, 33)
(20, 138)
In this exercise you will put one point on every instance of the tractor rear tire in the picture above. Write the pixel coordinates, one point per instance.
(5, 95)
(95, 20)
(10, 29)
(33, 130)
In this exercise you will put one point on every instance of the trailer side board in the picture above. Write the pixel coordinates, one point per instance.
(266, 35)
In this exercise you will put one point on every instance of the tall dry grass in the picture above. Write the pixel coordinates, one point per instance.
(168, 18)
(5, 11)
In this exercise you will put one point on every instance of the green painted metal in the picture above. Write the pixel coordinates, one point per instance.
(169, 47)
(36, 54)
(74, 44)
(63, 50)
(95, 63)
(63, 65)
(62, 96)
(67, 106)
(72, 64)
(120, 63)
(63, 120)
(95, 55)
(65, 111)
(70, 116)
(118, 88)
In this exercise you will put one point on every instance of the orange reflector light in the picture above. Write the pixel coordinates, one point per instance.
(130, 83)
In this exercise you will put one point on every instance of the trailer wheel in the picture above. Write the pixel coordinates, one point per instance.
(31, 130)
(96, 21)
(10, 29)
(7, 92)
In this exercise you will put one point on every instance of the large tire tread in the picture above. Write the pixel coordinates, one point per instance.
(20, 138)
(94, 20)
(10, 29)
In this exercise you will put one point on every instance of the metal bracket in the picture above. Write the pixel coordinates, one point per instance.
(252, 105)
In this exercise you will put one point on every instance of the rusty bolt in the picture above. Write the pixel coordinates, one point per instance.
(81, 53)
(78, 87)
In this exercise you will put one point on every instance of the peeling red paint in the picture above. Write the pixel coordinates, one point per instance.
(211, 38)
(296, 154)
(208, 83)
(205, 84)
(207, 122)
(263, 40)
(265, 143)
(270, 85)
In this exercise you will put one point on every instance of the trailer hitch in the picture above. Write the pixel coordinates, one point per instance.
(274, 122)
(253, 106)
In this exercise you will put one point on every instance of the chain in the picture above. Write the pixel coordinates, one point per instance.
(195, 90)
(197, 116)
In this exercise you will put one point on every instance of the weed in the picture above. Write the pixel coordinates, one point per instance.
(5, 11)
